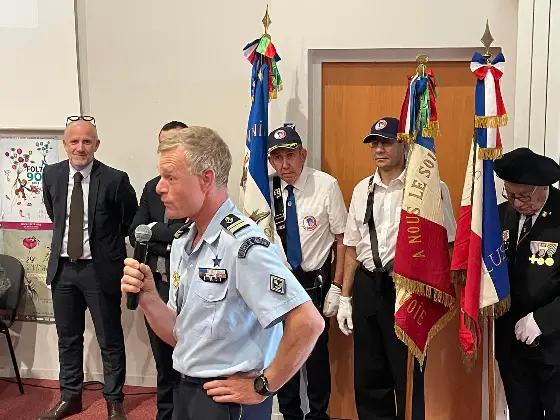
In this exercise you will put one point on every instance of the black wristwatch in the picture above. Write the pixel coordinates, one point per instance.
(261, 386)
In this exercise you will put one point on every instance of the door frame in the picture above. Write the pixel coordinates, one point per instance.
(316, 58)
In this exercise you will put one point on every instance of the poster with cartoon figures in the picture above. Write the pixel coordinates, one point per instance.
(25, 228)
(22, 162)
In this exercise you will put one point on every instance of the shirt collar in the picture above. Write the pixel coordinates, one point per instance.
(85, 172)
(399, 179)
(300, 182)
(214, 227)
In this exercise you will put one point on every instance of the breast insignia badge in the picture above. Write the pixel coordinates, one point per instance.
(176, 279)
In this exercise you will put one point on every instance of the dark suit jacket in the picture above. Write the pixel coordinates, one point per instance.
(534, 287)
(151, 210)
(111, 207)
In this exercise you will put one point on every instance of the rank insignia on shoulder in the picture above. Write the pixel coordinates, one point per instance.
(249, 243)
(185, 228)
(233, 223)
(176, 279)
(212, 275)
(277, 284)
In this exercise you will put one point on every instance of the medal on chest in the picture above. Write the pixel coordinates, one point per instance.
(542, 252)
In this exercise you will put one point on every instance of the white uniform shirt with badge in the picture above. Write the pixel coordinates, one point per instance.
(387, 201)
(232, 291)
(321, 215)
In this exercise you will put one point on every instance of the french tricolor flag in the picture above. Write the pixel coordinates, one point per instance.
(479, 260)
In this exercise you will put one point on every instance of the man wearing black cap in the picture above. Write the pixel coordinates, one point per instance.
(310, 215)
(528, 336)
(370, 237)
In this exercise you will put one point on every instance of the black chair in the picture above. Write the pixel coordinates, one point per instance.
(9, 303)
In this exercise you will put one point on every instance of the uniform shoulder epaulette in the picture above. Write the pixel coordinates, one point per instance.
(233, 223)
(183, 229)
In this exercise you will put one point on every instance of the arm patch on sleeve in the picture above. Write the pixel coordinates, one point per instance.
(233, 223)
(249, 243)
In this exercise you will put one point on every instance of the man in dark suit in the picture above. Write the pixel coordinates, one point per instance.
(528, 336)
(151, 212)
(91, 206)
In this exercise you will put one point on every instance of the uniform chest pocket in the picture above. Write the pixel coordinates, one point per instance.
(210, 312)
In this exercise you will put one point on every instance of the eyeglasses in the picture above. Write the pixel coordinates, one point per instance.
(522, 198)
(73, 118)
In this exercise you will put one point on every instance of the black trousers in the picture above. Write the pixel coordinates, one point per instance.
(532, 388)
(380, 358)
(167, 377)
(318, 373)
(74, 289)
(193, 403)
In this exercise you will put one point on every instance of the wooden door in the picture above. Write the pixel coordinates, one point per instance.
(354, 96)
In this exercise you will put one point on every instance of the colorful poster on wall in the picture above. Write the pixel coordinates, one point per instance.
(26, 229)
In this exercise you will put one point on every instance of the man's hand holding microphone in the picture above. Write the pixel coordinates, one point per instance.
(137, 275)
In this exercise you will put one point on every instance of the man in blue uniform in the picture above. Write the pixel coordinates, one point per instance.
(151, 212)
(229, 292)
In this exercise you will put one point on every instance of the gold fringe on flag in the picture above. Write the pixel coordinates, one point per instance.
(423, 289)
(459, 277)
(490, 153)
(438, 326)
(470, 359)
(407, 138)
(481, 121)
(496, 310)
(412, 347)
(431, 129)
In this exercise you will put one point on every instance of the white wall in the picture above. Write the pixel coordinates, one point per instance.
(145, 63)
(538, 88)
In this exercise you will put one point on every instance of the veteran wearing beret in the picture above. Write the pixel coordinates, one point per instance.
(528, 336)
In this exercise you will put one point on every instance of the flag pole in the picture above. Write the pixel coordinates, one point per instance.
(491, 370)
(421, 69)
(487, 40)
(409, 385)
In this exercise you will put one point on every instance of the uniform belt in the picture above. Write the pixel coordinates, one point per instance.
(199, 381)
(381, 281)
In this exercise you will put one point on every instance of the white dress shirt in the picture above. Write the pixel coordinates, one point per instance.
(86, 172)
(387, 204)
(321, 215)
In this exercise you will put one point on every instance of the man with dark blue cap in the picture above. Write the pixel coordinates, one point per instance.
(310, 215)
(528, 336)
(367, 303)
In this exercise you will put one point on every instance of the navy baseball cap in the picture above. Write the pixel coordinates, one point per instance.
(386, 127)
(286, 137)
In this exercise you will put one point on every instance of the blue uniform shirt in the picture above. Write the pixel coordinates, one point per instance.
(229, 292)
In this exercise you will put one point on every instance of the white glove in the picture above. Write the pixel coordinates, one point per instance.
(330, 307)
(527, 330)
(344, 316)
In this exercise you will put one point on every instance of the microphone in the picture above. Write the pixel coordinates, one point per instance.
(142, 234)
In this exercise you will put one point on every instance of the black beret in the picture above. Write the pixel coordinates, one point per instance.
(523, 166)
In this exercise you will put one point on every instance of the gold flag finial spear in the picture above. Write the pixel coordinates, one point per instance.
(422, 61)
(487, 40)
(266, 22)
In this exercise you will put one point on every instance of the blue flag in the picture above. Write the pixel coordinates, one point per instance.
(255, 188)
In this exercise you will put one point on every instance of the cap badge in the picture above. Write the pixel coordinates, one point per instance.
(380, 125)
(280, 134)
